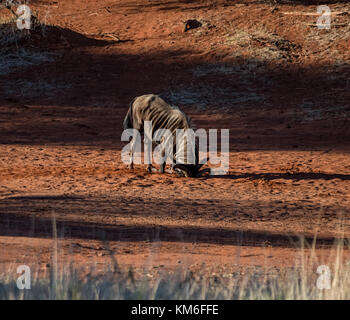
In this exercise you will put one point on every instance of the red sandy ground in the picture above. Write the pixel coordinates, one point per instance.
(60, 155)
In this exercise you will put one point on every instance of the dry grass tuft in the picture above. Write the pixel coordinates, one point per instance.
(300, 283)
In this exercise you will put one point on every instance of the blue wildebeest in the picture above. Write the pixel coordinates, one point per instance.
(164, 116)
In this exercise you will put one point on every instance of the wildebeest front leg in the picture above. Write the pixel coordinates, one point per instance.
(162, 165)
(148, 152)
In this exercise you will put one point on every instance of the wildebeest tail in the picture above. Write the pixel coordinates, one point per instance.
(127, 123)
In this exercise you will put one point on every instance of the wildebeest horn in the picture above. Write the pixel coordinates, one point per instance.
(201, 172)
(202, 163)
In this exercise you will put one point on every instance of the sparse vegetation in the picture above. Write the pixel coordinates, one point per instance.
(298, 283)
(201, 96)
(18, 60)
(261, 44)
(16, 56)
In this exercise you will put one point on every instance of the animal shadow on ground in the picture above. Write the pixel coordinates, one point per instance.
(287, 176)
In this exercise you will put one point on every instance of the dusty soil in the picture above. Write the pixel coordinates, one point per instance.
(261, 70)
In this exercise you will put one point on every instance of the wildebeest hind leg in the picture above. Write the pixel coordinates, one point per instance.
(132, 145)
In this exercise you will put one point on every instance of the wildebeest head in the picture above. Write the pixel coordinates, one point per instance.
(189, 170)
